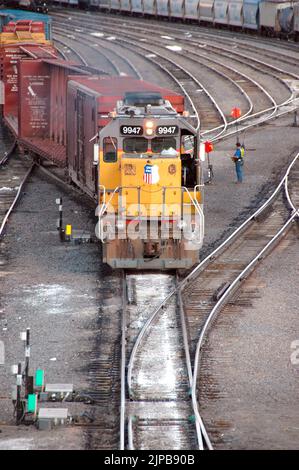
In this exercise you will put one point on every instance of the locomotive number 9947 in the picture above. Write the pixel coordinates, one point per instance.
(131, 130)
(167, 130)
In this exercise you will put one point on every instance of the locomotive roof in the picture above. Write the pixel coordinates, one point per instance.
(118, 86)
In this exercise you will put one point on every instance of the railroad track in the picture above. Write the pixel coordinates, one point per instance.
(214, 282)
(156, 410)
(207, 108)
(13, 176)
(164, 358)
(118, 64)
(199, 31)
(147, 410)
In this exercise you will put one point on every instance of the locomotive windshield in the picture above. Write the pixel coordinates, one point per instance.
(142, 145)
(163, 143)
(135, 145)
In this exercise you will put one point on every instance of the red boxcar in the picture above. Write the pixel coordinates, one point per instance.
(89, 101)
(10, 56)
(42, 106)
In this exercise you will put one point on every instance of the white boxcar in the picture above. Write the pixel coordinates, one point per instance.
(114, 4)
(206, 10)
(137, 6)
(269, 14)
(176, 8)
(235, 13)
(251, 14)
(221, 11)
(162, 7)
(192, 9)
(149, 7)
(125, 5)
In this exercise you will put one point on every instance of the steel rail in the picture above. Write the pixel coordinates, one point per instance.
(123, 365)
(190, 41)
(188, 362)
(130, 433)
(8, 153)
(242, 118)
(245, 117)
(173, 63)
(204, 31)
(74, 51)
(195, 272)
(177, 82)
(273, 108)
(228, 293)
(198, 418)
(200, 429)
(273, 114)
(110, 61)
(15, 200)
(287, 193)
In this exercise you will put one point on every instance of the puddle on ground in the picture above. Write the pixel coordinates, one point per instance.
(55, 299)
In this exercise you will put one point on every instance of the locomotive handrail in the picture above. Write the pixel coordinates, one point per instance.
(119, 189)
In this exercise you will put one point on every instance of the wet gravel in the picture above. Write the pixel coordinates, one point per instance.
(51, 288)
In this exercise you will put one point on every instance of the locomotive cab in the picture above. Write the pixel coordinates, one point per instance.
(150, 212)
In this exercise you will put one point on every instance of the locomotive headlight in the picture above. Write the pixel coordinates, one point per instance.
(120, 224)
(149, 127)
(182, 224)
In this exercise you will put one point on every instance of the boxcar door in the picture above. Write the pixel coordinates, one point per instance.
(80, 154)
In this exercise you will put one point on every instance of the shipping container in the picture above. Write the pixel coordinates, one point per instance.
(8, 15)
(251, 14)
(192, 9)
(42, 107)
(89, 102)
(176, 8)
(235, 13)
(206, 11)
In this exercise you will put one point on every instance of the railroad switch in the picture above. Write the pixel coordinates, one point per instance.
(57, 392)
(29, 391)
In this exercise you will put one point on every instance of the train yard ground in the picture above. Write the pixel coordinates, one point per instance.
(247, 384)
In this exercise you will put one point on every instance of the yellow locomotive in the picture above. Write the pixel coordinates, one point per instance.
(149, 186)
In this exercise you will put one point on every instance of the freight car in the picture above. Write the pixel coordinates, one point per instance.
(7, 15)
(125, 142)
(277, 18)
